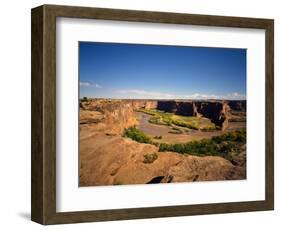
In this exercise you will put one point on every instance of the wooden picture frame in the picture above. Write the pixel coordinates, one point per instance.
(43, 207)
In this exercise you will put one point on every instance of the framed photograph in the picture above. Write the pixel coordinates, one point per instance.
(141, 114)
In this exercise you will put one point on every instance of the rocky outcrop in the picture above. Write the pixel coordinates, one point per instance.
(186, 109)
(217, 112)
(89, 117)
(143, 104)
(177, 107)
(113, 160)
(193, 168)
(168, 106)
(238, 105)
(108, 158)
(110, 115)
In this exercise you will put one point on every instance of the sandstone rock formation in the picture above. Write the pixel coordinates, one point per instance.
(169, 106)
(216, 111)
(108, 158)
(192, 168)
(143, 104)
(238, 105)
(111, 116)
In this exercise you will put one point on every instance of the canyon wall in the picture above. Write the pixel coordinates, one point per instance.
(177, 107)
(216, 111)
(120, 112)
(112, 116)
(109, 159)
(238, 105)
(142, 104)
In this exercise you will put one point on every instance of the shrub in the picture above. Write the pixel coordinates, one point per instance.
(183, 123)
(208, 128)
(216, 146)
(158, 120)
(137, 135)
(176, 130)
(169, 119)
(150, 158)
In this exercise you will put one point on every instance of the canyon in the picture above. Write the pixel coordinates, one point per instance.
(107, 157)
(218, 111)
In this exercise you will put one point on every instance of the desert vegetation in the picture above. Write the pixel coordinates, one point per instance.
(137, 135)
(209, 128)
(224, 145)
(132, 142)
(178, 130)
(150, 158)
(176, 121)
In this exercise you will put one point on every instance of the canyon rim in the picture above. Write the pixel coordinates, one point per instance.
(153, 114)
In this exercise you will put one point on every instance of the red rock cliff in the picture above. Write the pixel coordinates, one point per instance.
(111, 115)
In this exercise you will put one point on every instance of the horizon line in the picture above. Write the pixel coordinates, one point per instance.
(166, 99)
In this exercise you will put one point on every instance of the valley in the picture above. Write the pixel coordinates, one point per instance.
(161, 141)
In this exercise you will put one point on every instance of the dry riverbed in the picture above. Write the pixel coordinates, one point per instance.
(165, 132)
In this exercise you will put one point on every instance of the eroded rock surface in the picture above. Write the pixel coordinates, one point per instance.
(217, 112)
(110, 116)
(108, 158)
(113, 160)
(238, 105)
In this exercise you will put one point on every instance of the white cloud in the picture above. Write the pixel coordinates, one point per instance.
(136, 93)
(85, 84)
(88, 84)
(198, 96)
(98, 86)
(230, 96)
(236, 96)
(143, 94)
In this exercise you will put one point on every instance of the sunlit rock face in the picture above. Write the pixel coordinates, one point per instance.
(108, 158)
(112, 116)
(121, 111)
(142, 104)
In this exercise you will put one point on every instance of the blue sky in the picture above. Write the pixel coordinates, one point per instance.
(115, 70)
